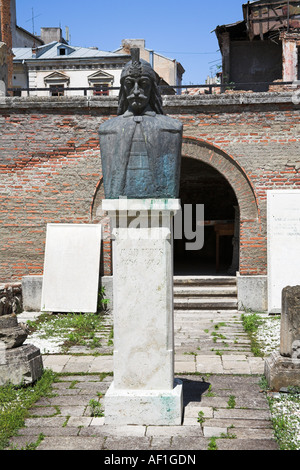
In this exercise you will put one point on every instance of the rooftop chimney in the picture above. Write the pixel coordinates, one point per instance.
(51, 34)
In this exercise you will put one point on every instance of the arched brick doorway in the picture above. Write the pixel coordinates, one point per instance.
(211, 177)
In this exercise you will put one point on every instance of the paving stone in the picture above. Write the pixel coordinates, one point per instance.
(72, 443)
(49, 431)
(127, 443)
(72, 410)
(42, 411)
(97, 421)
(102, 364)
(56, 422)
(235, 423)
(183, 367)
(248, 433)
(92, 431)
(161, 443)
(22, 442)
(125, 431)
(213, 431)
(191, 431)
(189, 443)
(246, 444)
(79, 421)
(242, 414)
(208, 390)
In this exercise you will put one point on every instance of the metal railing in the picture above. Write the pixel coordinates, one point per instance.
(165, 90)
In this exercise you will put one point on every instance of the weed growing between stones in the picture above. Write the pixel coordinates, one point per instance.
(63, 331)
(15, 402)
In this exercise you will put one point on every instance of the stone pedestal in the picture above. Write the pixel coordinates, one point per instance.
(20, 364)
(290, 322)
(282, 372)
(282, 369)
(32, 293)
(144, 390)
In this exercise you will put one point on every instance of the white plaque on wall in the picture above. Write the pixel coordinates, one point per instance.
(71, 268)
(283, 215)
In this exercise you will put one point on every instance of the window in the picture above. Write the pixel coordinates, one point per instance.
(101, 82)
(62, 51)
(57, 90)
(100, 90)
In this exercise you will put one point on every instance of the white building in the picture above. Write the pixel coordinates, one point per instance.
(58, 68)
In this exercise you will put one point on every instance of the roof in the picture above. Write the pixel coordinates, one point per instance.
(50, 51)
(28, 33)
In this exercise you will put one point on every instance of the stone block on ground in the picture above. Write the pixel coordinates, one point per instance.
(22, 365)
(32, 293)
(282, 371)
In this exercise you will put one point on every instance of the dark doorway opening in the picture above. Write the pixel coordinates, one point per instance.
(202, 184)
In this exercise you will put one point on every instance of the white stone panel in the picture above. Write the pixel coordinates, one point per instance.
(71, 268)
(283, 214)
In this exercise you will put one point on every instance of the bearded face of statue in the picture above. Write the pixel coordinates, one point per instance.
(138, 92)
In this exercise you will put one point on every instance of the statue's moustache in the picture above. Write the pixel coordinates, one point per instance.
(136, 96)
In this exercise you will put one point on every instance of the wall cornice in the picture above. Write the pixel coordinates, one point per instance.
(182, 104)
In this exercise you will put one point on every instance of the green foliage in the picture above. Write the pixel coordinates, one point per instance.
(251, 322)
(285, 418)
(212, 445)
(15, 402)
(201, 418)
(102, 300)
(75, 329)
(96, 408)
(231, 402)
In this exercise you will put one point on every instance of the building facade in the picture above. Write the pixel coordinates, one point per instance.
(58, 69)
(263, 47)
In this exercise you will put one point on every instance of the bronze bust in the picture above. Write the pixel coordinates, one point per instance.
(141, 148)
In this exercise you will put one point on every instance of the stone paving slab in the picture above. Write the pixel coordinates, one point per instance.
(246, 426)
(206, 364)
(209, 380)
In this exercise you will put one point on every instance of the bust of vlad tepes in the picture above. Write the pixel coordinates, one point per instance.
(141, 148)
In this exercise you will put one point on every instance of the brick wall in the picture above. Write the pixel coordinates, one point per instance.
(50, 167)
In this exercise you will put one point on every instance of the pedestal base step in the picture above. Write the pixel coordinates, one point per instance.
(144, 407)
(282, 372)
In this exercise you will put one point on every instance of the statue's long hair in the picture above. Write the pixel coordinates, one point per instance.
(155, 100)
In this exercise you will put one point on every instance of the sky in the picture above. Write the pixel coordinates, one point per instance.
(178, 30)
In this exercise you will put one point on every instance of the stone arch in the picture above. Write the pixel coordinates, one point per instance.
(252, 239)
(230, 169)
(95, 207)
